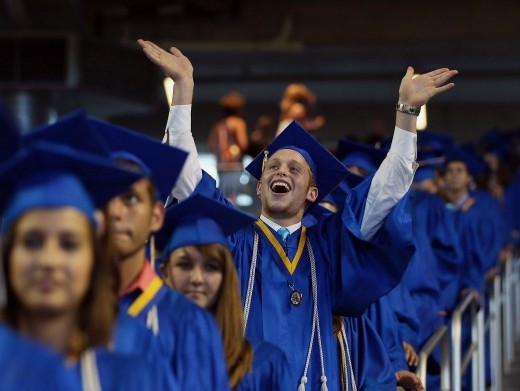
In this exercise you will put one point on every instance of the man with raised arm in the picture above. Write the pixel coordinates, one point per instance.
(293, 281)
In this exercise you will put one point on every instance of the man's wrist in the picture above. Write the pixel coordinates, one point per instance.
(408, 109)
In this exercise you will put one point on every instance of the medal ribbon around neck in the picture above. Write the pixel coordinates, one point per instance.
(290, 265)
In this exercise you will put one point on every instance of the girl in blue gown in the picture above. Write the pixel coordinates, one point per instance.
(196, 261)
(60, 289)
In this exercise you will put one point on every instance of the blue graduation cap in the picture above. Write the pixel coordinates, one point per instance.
(431, 148)
(423, 173)
(494, 142)
(364, 156)
(428, 141)
(162, 163)
(474, 165)
(72, 130)
(47, 175)
(327, 170)
(199, 220)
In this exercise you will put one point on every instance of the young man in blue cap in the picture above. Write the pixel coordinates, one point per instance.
(293, 283)
(475, 219)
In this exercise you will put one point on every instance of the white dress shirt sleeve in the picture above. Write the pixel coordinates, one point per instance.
(178, 134)
(391, 181)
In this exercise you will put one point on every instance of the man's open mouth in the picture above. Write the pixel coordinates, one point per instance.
(279, 187)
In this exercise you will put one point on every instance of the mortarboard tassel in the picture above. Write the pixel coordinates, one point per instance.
(264, 160)
(301, 387)
(324, 383)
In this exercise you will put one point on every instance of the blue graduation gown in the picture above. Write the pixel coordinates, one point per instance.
(512, 208)
(188, 335)
(478, 241)
(373, 370)
(27, 365)
(401, 307)
(351, 274)
(381, 314)
(122, 372)
(269, 370)
(433, 220)
(495, 230)
(132, 337)
(480, 238)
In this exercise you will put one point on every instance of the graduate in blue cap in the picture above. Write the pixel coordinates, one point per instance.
(60, 290)
(196, 261)
(479, 240)
(362, 159)
(295, 278)
(17, 353)
(393, 316)
(474, 214)
(134, 215)
(435, 223)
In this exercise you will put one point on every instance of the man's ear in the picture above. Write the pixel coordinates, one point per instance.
(158, 213)
(312, 194)
(258, 188)
(101, 226)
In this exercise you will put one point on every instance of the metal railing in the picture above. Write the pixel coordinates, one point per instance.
(495, 333)
(459, 361)
(441, 336)
(502, 323)
(507, 325)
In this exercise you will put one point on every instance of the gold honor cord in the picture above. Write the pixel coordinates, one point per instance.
(290, 265)
(145, 297)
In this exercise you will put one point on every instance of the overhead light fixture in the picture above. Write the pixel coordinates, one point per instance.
(168, 84)
(422, 120)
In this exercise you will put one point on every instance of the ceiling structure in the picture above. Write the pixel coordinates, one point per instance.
(61, 55)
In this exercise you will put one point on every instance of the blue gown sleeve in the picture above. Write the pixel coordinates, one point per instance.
(362, 271)
(208, 187)
(444, 241)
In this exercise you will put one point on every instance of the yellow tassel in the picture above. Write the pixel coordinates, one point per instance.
(264, 160)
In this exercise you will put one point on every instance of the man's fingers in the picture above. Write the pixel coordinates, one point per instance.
(444, 77)
(443, 88)
(150, 47)
(409, 73)
(176, 52)
(153, 56)
(436, 72)
(154, 46)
